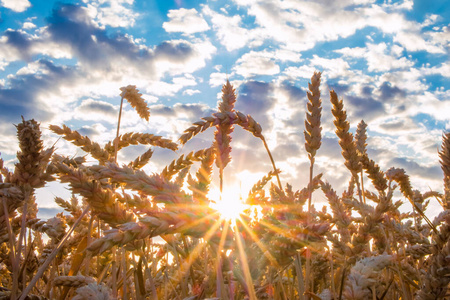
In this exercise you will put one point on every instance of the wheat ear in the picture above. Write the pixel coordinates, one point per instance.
(28, 175)
(200, 187)
(101, 198)
(444, 156)
(375, 174)
(182, 162)
(84, 142)
(436, 278)
(360, 141)
(131, 93)
(245, 121)
(136, 138)
(349, 152)
(222, 135)
(50, 258)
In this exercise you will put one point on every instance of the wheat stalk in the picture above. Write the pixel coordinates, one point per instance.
(349, 150)
(83, 142)
(136, 101)
(136, 138)
(222, 135)
(181, 163)
(200, 187)
(444, 156)
(312, 144)
(102, 198)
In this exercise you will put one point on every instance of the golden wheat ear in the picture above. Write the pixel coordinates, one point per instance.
(131, 93)
(312, 123)
(83, 142)
(444, 156)
(352, 159)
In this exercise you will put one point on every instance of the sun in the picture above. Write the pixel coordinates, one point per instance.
(231, 205)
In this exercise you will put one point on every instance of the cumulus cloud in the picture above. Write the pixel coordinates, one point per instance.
(95, 110)
(25, 93)
(16, 5)
(378, 58)
(114, 13)
(187, 21)
(256, 63)
(229, 30)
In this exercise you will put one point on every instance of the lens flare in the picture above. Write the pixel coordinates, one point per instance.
(230, 206)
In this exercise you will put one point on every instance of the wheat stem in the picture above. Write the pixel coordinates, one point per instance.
(298, 269)
(12, 252)
(116, 141)
(272, 161)
(52, 255)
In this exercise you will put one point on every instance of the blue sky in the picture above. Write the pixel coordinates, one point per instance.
(64, 62)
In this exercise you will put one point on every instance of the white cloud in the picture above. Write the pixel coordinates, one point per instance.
(299, 25)
(114, 13)
(163, 88)
(304, 71)
(440, 36)
(191, 92)
(28, 25)
(96, 110)
(443, 70)
(218, 79)
(377, 57)
(256, 63)
(409, 80)
(16, 5)
(229, 30)
(187, 21)
(168, 60)
(413, 41)
(335, 67)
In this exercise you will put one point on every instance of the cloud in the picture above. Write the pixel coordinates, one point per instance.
(191, 111)
(48, 212)
(377, 57)
(217, 79)
(95, 110)
(229, 30)
(16, 5)
(187, 21)
(256, 63)
(412, 168)
(43, 89)
(191, 92)
(114, 13)
(333, 67)
(91, 45)
(25, 94)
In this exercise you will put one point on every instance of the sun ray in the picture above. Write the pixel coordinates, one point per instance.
(258, 242)
(244, 262)
(184, 268)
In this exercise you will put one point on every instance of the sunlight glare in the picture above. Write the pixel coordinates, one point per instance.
(230, 206)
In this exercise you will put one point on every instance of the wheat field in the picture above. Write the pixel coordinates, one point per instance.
(126, 234)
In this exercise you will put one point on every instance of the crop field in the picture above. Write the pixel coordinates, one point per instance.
(127, 234)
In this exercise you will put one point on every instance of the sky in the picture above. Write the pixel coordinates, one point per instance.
(63, 62)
